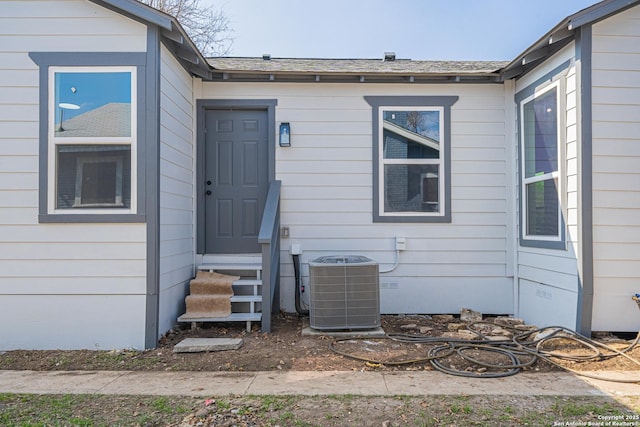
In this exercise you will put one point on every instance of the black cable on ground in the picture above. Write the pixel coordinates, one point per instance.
(509, 370)
(522, 351)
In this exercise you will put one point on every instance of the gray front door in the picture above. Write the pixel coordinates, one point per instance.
(236, 179)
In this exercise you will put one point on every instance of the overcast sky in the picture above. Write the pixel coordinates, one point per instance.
(416, 29)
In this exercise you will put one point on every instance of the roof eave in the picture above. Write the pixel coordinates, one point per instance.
(560, 35)
(171, 32)
(353, 77)
(140, 11)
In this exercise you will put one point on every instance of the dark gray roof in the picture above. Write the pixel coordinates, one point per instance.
(357, 66)
(354, 70)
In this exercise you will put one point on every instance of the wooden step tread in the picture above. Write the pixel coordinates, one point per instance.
(234, 317)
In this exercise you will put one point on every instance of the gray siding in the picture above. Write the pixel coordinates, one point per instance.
(177, 180)
(616, 175)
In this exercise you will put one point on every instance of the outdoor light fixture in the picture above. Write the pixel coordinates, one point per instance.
(285, 135)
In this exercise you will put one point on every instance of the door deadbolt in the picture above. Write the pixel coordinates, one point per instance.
(209, 182)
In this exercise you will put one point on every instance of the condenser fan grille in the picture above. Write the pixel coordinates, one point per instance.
(344, 293)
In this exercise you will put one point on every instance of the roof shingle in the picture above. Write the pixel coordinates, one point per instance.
(354, 66)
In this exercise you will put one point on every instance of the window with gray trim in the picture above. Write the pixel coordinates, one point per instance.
(411, 157)
(540, 118)
(92, 149)
(91, 140)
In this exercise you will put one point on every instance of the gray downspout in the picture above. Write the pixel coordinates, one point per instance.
(585, 181)
(149, 154)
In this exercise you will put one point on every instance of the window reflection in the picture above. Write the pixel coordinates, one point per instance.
(93, 176)
(411, 188)
(540, 117)
(539, 139)
(92, 104)
(411, 155)
(411, 134)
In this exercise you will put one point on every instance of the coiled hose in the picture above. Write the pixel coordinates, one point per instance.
(525, 349)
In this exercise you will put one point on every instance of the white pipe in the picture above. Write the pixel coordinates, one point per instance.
(394, 265)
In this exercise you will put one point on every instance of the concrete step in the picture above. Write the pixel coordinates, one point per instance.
(197, 345)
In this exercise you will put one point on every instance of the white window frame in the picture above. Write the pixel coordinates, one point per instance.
(555, 175)
(54, 141)
(382, 162)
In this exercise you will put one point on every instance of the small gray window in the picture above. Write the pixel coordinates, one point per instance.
(411, 157)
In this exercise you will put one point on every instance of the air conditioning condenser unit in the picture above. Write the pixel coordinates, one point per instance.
(344, 293)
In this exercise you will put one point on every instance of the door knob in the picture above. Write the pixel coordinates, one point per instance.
(208, 192)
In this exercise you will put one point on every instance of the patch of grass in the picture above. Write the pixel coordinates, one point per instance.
(166, 405)
(272, 403)
(304, 411)
(88, 410)
(568, 408)
(287, 416)
(345, 398)
(223, 404)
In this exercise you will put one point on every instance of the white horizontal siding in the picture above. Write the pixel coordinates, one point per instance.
(177, 179)
(17, 251)
(545, 305)
(60, 283)
(99, 322)
(64, 285)
(326, 198)
(18, 199)
(363, 231)
(73, 25)
(443, 294)
(76, 268)
(616, 178)
(49, 233)
(548, 278)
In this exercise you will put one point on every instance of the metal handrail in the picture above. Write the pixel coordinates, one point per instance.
(269, 239)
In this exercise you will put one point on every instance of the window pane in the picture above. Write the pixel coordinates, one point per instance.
(411, 188)
(92, 104)
(542, 208)
(91, 176)
(541, 135)
(411, 134)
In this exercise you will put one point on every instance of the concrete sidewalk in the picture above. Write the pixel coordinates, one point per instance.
(412, 383)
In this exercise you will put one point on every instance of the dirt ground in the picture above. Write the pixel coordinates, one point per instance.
(287, 349)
